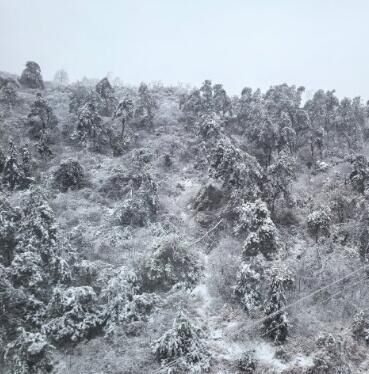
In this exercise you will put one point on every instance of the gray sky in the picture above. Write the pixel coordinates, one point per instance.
(315, 43)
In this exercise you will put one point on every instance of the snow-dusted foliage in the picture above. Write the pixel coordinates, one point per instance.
(276, 325)
(9, 219)
(360, 327)
(146, 106)
(89, 126)
(41, 116)
(2, 161)
(262, 235)
(319, 223)
(81, 95)
(120, 288)
(250, 284)
(121, 205)
(16, 172)
(169, 264)
(235, 168)
(31, 76)
(209, 98)
(72, 315)
(359, 177)
(29, 353)
(141, 205)
(69, 175)
(106, 92)
(246, 364)
(37, 262)
(124, 111)
(182, 349)
(61, 77)
(8, 92)
(280, 174)
(43, 147)
(329, 358)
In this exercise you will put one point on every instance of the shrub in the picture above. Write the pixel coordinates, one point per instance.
(72, 315)
(70, 175)
(29, 353)
(246, 364)
(170, 264)
(329, 359)
(360, 327)
(141, 208)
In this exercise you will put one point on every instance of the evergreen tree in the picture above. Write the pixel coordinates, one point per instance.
(31, 76)
(106, 92)
(29, 353)
(262, 234)
(319, 223)
(43, 146)
(184, 346)
(146, 106)
(206, 92)
(276, 325)
(9, 220)
(41, 110)
(69, 175)
(8, 93)
(222, 103)
(12, 173)
(124, 111)
(89, 124)
(61, 77)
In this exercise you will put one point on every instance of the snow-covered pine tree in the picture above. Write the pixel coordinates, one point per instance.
(9, 220)
(276, 324)
(12, 177)
(89, 125)
(182, 348)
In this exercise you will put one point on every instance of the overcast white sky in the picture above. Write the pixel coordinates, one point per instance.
(315, 43)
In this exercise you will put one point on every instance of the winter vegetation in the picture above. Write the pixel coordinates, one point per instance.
(164, 229)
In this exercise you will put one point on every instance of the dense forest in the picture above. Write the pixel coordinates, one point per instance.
(169, 229)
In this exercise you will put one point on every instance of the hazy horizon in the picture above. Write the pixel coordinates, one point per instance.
(238, 43)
